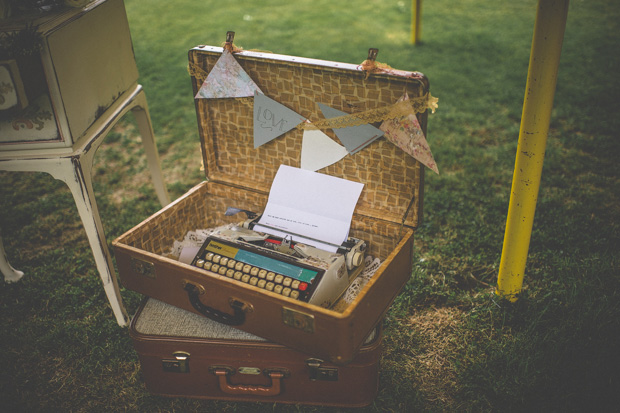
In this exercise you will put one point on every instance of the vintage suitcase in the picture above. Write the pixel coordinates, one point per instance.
(240, 176)
(185, 355)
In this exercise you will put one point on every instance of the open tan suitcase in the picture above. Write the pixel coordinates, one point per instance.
(240, 176)
(185, 355)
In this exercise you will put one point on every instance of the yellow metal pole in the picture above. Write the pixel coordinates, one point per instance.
(416, 21)
(539, 92)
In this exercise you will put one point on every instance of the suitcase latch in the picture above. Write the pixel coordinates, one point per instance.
(298, 319)
(179, 364)
(143, 267)
(321, 373)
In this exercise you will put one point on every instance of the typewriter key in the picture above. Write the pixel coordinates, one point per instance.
(253, 281)
(245, 278)
(287, 282)
(262, 273)
(215, 267)
(209, 256)
(207, 265)
(231, 263)
(278, 279)
(200, 263)
(269, 286)
(295, 284)
(286, 292)
(254, 271)
(223, 261)
(261, 283)
(216, 258)
(230, 272)
(238, 275)
(238, 266)
(222, 270)
(271, 276)
(247, 268)
(295, 294)
(277, 289)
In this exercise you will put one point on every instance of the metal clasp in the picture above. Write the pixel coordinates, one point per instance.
(180, 363)
(321, 373)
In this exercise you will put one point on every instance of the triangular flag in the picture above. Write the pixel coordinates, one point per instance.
(272, 119)
(406, 133)
(354, 138)
(318, 151)
(227, 79)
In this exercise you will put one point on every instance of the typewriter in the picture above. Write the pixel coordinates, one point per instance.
(281, 265)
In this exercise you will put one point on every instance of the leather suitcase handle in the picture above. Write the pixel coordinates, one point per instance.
(235, 319)
(274, 390)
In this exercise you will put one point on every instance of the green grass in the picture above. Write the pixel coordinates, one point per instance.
(450, 343)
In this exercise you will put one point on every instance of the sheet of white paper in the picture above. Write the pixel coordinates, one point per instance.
(312, 205)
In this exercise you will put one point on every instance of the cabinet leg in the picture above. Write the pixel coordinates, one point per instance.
(10, 273)
(77, 176)
(145, 127)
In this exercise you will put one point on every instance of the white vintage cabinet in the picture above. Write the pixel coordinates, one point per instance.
(84, 80)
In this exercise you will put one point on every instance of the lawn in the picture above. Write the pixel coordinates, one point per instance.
(450, 344)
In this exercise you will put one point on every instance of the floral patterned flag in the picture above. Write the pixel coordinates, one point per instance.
(406, 133)
(227, 79)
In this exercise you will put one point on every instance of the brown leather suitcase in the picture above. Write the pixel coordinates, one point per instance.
(240, 176)
(185, 355)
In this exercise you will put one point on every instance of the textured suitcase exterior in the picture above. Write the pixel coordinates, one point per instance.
(240, 176)
(185, 355)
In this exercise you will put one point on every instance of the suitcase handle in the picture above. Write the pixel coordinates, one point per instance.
(274, 390)
(239, 308)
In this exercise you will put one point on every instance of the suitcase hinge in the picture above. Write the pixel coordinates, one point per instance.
(180, 363)
(321, 373)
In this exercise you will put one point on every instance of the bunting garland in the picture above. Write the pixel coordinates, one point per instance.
(227, 79)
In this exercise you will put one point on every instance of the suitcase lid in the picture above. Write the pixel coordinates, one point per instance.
(393, 180)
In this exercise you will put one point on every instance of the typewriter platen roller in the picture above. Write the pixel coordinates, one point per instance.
(281, 265)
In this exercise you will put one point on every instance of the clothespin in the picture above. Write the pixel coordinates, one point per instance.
(228, 45)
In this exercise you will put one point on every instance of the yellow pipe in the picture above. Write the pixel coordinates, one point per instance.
(416, 21)
(539, 92)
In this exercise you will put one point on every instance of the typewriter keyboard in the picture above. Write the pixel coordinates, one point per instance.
(253, 275)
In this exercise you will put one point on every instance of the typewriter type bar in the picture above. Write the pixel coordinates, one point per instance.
(257, 267)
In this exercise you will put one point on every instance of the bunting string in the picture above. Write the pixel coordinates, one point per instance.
(397, 110)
